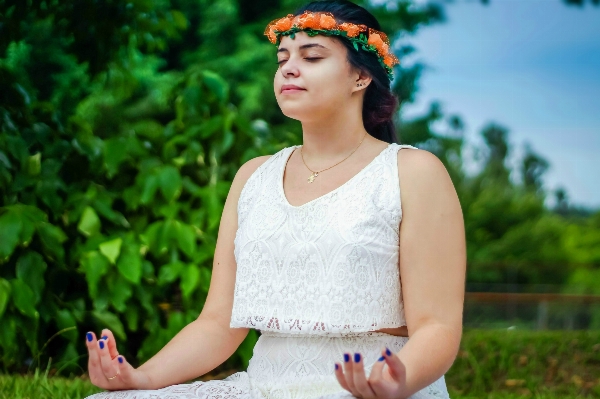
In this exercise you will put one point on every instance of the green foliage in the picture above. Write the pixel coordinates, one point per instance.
(526, 363)
(112, 196)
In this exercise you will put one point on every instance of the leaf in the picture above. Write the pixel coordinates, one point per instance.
(30, 269)
(120, 292)
(179, 19)
(52, 238)
(34, 164)
(115, 152)
(189, 280)
(89, 223)
(355, 45)
(23, 298)
(216, 84)
(153, 238)
(130, 262)
(94, 265)
(64, 319)
(111, 249)
(149, 189)
(4, 295)
(132, 317)
(228, 139)
(170, 182)
(186, 238)
(111, 321)
(10, 229)
(170, 272)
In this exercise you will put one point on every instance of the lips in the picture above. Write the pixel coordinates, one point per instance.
(291, 88)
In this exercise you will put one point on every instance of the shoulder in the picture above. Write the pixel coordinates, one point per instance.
(421, 174)
(414, 162)
(249, 167)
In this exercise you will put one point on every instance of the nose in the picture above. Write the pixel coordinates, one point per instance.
(289, 68)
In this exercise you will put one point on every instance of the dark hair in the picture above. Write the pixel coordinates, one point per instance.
(380, 104)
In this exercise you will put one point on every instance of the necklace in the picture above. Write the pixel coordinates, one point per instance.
(314, 174)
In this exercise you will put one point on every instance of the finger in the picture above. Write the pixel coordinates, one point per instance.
(109, 366)
(397, 368)
(349, 373)
(376, 381)
(339, 374)
(360, 380)
(94, 364)
(125, 370)
(109, 339)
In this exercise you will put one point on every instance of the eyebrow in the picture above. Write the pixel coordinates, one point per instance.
(282, 49)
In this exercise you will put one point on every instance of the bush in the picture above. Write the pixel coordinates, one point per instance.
(110, 219)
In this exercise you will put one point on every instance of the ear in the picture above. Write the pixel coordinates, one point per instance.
(362, 80)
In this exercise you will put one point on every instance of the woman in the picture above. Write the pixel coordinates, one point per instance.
(311, 250)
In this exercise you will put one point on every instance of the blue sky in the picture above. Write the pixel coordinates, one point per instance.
(532, 66)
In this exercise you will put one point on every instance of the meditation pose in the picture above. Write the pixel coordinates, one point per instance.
(347, 252)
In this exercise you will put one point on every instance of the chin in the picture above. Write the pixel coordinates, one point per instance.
(301, 113)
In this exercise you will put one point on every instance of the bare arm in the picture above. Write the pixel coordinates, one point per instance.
(432, 267)
(203, 344)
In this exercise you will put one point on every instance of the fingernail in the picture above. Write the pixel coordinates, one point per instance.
(89, 337)
(346, 357)
(336, 366)
(388, 352)
(121, 361)
(104, 337)
(101, 344)
(381, 359)
(356, 357)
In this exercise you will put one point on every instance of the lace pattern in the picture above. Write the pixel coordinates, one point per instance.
(289, 366)
(327, 267)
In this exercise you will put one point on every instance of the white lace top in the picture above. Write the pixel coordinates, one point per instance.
(327, 267)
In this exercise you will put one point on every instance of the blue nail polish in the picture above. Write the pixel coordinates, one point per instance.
(104, 337)
(336, 366)
(388, 352)
(381, 359)
(346, 357)
(101, 344)
(89, 337)
(121, 360)
(356, 357)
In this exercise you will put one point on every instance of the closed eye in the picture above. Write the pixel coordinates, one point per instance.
(311, 59)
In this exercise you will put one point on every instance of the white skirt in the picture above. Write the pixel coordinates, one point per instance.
(289, 366)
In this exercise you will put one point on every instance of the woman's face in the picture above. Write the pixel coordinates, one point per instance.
(319, 66)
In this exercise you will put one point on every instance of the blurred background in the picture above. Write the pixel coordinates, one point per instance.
(122, 124)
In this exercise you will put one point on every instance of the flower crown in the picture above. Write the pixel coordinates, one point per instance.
(314, 23)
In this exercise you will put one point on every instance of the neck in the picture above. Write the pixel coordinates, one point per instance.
(332, 138)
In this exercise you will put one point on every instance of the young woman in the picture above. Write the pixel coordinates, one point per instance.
(345, 252)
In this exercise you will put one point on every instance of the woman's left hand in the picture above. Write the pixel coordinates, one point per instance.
(382, 383)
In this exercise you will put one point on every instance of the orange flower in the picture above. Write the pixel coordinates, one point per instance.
(384, 49)
(308, 20)
(283, 24)
(327, 21)
(351, 29)
(375, 40)
(271, 34)
(388, 60)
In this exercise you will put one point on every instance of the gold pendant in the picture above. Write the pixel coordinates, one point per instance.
(312, 177)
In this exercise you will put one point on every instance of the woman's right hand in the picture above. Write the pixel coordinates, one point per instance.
(110, 370)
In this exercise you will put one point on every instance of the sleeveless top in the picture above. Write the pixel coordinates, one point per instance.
(328, 267)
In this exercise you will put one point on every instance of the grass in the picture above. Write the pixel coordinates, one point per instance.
(491, 364)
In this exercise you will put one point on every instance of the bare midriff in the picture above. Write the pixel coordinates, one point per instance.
(398, 331)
